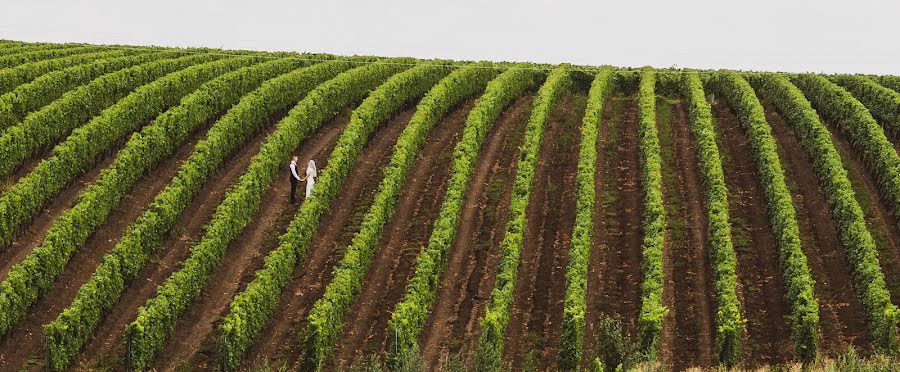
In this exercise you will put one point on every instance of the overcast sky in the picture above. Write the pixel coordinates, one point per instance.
(784, 35)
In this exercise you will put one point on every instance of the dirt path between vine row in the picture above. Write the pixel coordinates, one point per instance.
(196, 346)
(106, 348)
(420, 199)
(614, 271)
(842, 317)
(32, 232)
(879, 218)
(26, 167)
(536, 314)
(688, 338)
(24, 345)
(278, 339)
(473, 257)
(760, 286)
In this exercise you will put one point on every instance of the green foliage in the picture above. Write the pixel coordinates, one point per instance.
(41, 91)
(155, 321)
(144, 150)
(34, 276)
(653, 224)
(883, 103)
(489, 355)
(411, 314)
(12, 77)
(858, 244)
(729, 324)
(572, 336)
(252, 308)
(797, 278)
(53, 122)
(43, 52)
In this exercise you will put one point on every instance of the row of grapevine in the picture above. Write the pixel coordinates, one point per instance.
(889, 81)
(798, 279)
(22, 100)
(14, 48)
(33, 47)
(252, 308)
(43, 54)
(653, 224)
(53, 122)
(572, 336)
(75, 325)
(865, 135)
(325, 319)
(857, 241)
(147, 334)
(729, 325)
(883, 103)
(154, 143)
(30, 279)
(411, 314)
(497, 311)
(12, 77)
(70, 158)
(141, 239)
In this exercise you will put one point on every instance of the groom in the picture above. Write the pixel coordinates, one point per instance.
(294, 179)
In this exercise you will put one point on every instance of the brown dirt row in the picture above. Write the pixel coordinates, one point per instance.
(33, 232)
(472, 257)
(879, 218)
(614, 272)
(194, 342)
(760, 287)
(278, 341)
(394, 263)
(23, 346)
(26, 167)
(536, 317)
(689, 328)
(107, 346)
(842, 317)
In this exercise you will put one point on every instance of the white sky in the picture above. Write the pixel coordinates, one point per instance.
(787, 35)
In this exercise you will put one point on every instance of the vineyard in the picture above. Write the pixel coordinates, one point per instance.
(467, 215)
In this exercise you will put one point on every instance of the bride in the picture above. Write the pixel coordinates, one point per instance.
(310, 177)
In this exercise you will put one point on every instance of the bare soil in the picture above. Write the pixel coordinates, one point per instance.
(842, 317)
(689, 328)
(107, 346)
(23, 346)
(614, 272)
(365, 328)
(760, 286)
(473, 256)
(194, 342)
(536, 318)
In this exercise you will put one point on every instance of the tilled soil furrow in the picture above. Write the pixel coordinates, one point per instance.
(472, 257)
(614, 284)
(404, 235)
(760, 286)
(842, 317)
(197, 345)
(279, 338)
(690, 339)
(106, 348)
(534, 325)
(612, 114)
(23, 346)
